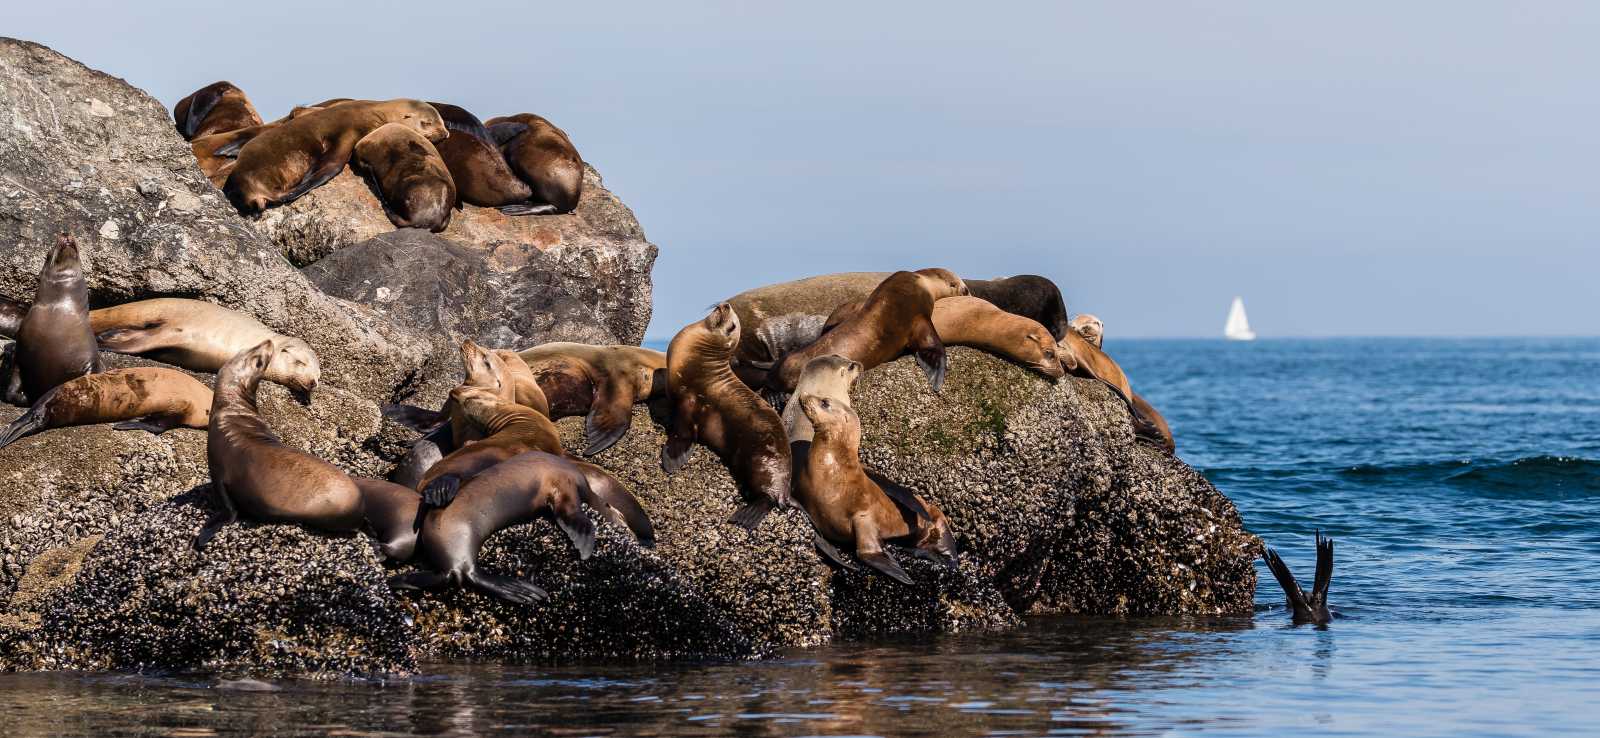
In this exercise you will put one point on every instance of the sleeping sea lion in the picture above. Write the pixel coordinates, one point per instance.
(144, 398)
(711, 406)
(216, 108)
(896, 319)
(54, 342)
(602, 383)
(847, 508)
(202, 336)
(301, 154)
(1027, 295)
(1312, 608)
(1091, 328)
(1148, 423)
(414, 184)
(779, 318)
(973, 322)
(481, 173)
(519, 490)
(543, 156)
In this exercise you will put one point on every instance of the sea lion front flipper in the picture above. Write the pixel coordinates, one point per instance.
(327, 168)
(517, 591)
(610, 414)
(413, 417)
(930, 353)
(129, 340)
(900, 495)
(1291, 588)
(578, 527)
(681, 432)
(612, 500)
(504, 133)
(200, 105)
(31, 422)
(886, 565)
(830, 553)
(1319, 585)
(441, 491)
(749, 516)
(156, 424)
(222, 517)
(524, 208)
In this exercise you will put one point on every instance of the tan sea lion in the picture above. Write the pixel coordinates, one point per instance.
(253, 473)
(414, 184)
(711, 406)
(216, 108)
(301, 154)
(602, 383)
(481, 173)
(896, 319)
(829, 377)
(543, 156)
(974, 322)
(201, 336)
(1027, 295)
(847, 508)
(1091, 328)
(144, 398)
(519, 490)
(1148, 423)
(54, 342)
(1081, 358)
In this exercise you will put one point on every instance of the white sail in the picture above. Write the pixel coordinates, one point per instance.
(1238, 328)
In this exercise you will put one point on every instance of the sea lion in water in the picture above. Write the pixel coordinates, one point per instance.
(216, 108)
(1311, 608)
(1027, 295)
(711, 406)
(602, 383)
(974, 322)
(54, 342)
(1148, 423)
(543, 156)
(896, 319)
(201, 336)
(519, 490)
(303, 153)
(253, 473)
(11, 315)
(415, 185)
(828, 377)
(481, 173)
(144, 398)
(848, 508)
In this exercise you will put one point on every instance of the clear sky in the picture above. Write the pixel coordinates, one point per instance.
(1355, 168)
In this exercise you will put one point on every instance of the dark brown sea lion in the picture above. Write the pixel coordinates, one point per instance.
(1027, 295)
(1312, 608)
(896, 319)
(1148, 423)
(847, 508)
(54, 342)
(143, 398)
(544, 157)
(253, 473)
(602, 383)
(301, 154)
(216, 108)
(481, 173)
(711, 406)
(413, 181)
(201, 336)
(519, 490)
(11, 315)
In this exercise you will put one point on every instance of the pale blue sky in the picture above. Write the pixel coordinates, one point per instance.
(1350, 168)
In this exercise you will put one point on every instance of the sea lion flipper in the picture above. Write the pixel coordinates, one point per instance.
(518, 591)
(885, 564)
(525, 208)
(413, 417)
(831, 553)
(1324, 577)
(579, 529)
(610, 414)
(681, 432)
(441, 491)
(930, 353)
(129, 340)
(156, 424)
(224, 516)
(900, 495)
(504, 133)
(617, 504)
(31, 422)
(325, 170)
(200, 105)
(1286, 580)
(751, 514)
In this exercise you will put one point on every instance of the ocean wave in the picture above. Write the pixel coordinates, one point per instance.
(1529, 477)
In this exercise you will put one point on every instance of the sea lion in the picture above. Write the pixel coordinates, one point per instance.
(218, 153)
(253, 473)
(895, 319)
(543, 156)
(1148, 423)
(1027, 295)
(412, 180)
(1311, 608)
(11, 315)
(301, 154)
(602, 383)
(509, 430)
(54, 342)
(481, 173)
(519, 490)
(829, 377)
(847, 508)
(216, 108)
(1081, 358)
(711, 406)
(144, 398)
(201, 336)
(778, 318)
(1091, 328)
(974, 322)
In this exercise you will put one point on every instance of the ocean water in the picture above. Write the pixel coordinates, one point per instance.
(1460, 479)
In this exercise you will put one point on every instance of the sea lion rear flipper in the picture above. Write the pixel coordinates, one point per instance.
(517, 591)
(751, 514)
(610, 414)
(156, 424)
(415, 418)
(1319, 585)
(886, 565)
(129, 340)
(1291, 588)
(31, 422)
(830, 553)
(317, 177)
(900, 495)
(930, 353)
(224, 516)
(526, 208)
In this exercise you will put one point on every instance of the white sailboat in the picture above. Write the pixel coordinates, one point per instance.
(1238, 327)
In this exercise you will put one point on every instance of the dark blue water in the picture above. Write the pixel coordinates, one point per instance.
(1458, 477)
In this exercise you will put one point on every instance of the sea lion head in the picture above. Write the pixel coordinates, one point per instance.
(477, 403)
(63, 263)
(1042, 351)
(483, 368)
(242, 374)
(832, 370)
(721, 327)
(424, 118)
(295, 367)
(832, 419)
(942, 283)
(1090, 328)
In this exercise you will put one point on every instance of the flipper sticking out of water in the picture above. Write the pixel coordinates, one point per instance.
(1313, 608)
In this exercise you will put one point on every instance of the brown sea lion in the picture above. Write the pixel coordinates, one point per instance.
(481, 173)
(301, 154)
(414, 184)
(1091, 328)
(509, 430)
(975, 323)
(711, 406)
(519, 490)
(216, 108)
(253, 473)
(1148, 423)
(829, 377)
(896, 319)
(1312, 608)
(54, 342)
(1081, 358)
(11, 315)
(1027, 295)
(779, 318)
(201, 336)
(847, 508)
(602, 383)
(543, 156)
(144, 398)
